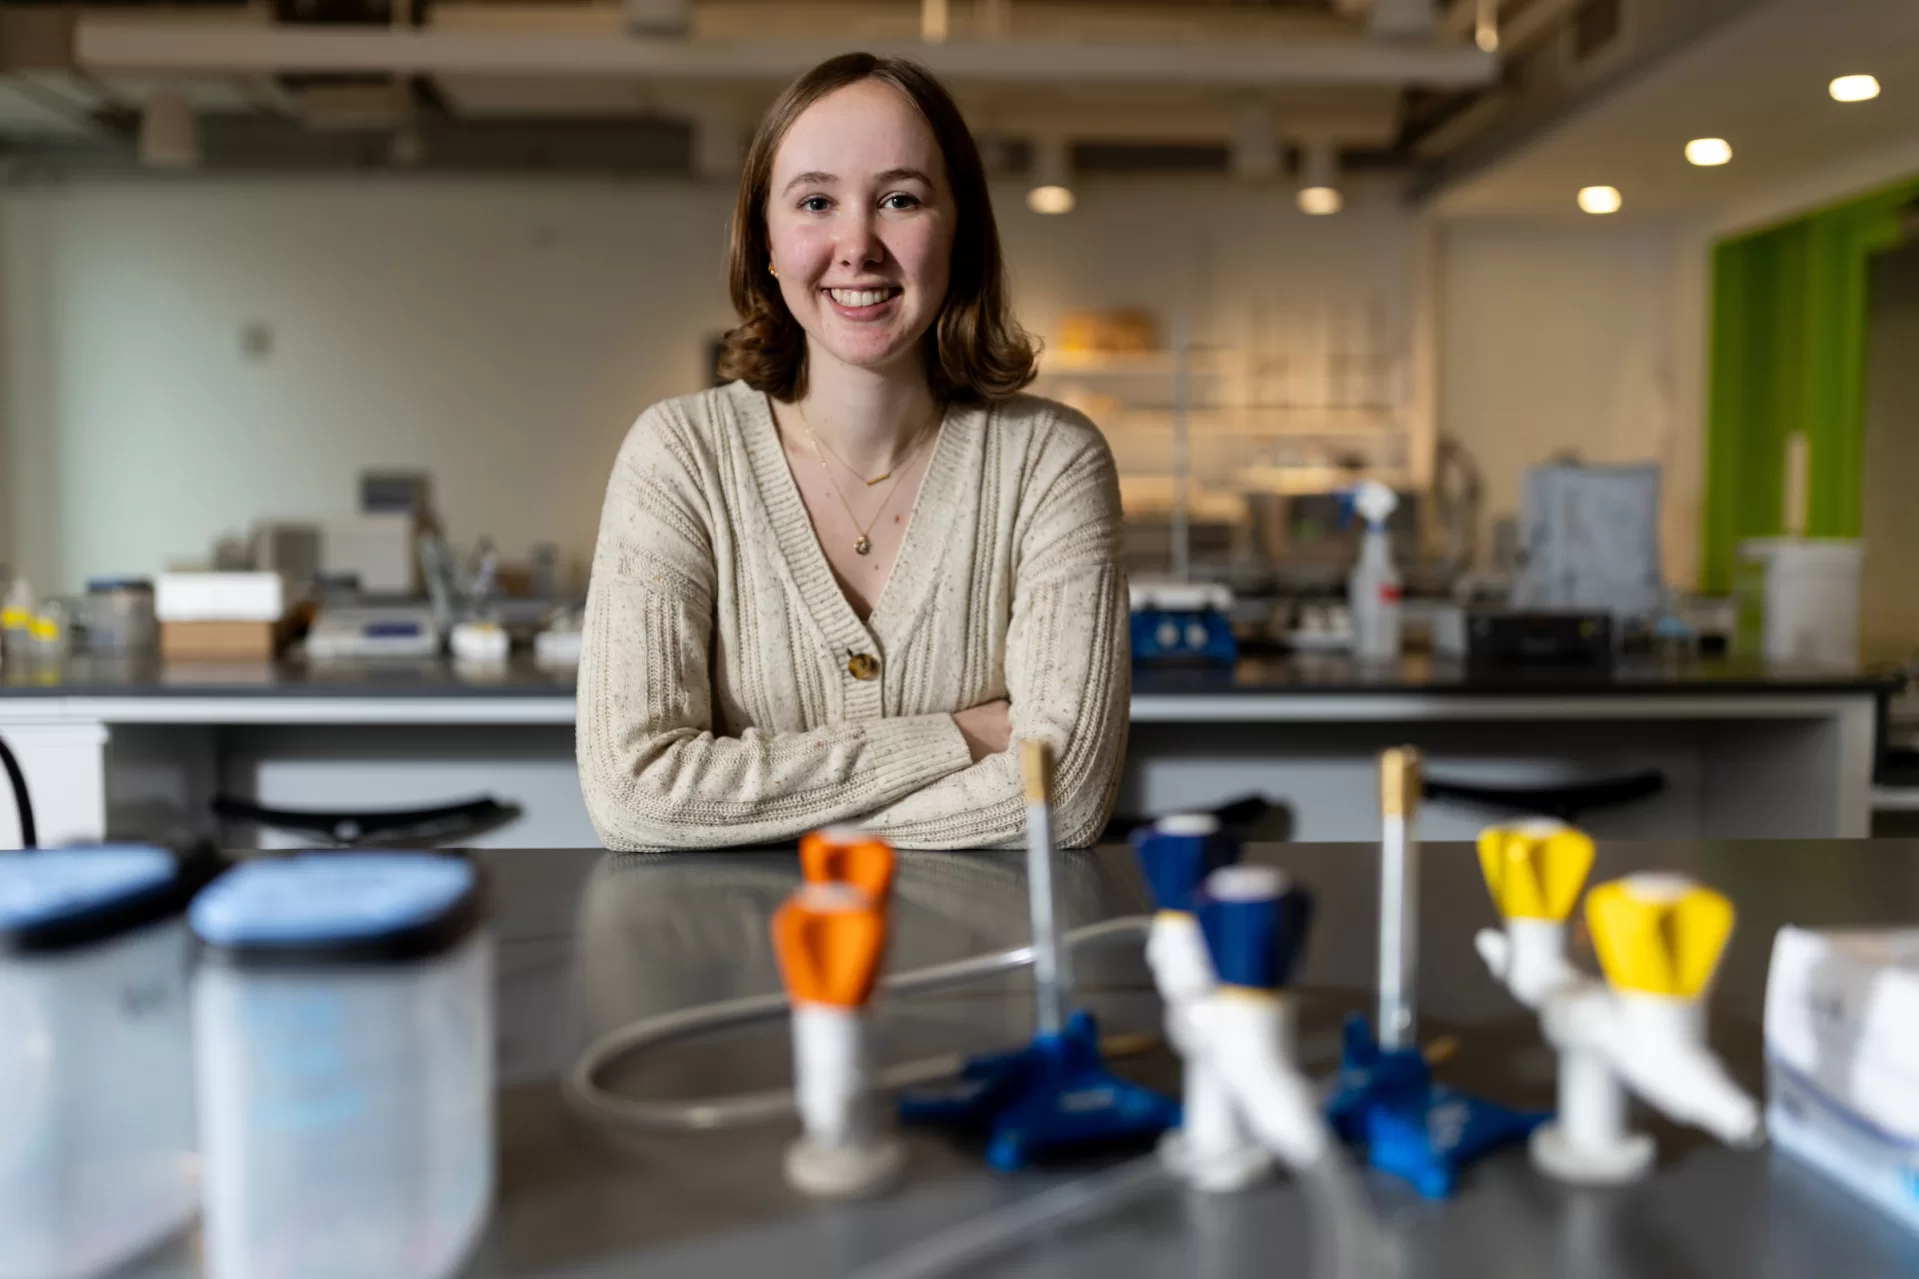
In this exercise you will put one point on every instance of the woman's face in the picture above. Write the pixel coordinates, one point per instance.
(860, 221)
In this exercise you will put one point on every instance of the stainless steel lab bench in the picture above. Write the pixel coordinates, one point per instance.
(588, 940)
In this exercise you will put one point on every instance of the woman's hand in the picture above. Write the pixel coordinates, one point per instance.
(988, 728)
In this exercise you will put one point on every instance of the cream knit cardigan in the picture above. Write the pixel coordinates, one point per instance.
(716, 704)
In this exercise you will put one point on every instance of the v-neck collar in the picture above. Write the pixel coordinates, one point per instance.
(904, 590)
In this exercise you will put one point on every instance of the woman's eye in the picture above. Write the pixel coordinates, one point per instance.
(900, 200)
(814, 204)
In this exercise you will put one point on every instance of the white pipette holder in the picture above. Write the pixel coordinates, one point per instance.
(1211, 1149)
(1255, 924)
(843, 1151)
(829, 938)
(1643, 1031)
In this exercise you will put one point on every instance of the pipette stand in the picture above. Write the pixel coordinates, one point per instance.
(1054, 1094)
(1412, 1127)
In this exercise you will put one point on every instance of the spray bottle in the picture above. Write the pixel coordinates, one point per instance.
(1373, 587)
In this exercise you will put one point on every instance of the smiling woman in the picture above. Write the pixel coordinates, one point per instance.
(837, 588)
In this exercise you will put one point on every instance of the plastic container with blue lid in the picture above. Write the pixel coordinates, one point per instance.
(358, 907)
(97, 1133)
(343, 1023)
(57, 898)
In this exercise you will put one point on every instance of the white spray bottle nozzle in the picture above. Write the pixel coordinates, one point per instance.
(1375, 502)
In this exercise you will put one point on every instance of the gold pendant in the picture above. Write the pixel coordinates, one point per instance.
(862, 546)
(879, 479)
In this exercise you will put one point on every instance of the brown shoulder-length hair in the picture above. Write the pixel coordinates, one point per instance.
(975, 350)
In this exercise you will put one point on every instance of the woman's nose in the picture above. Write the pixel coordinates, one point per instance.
(859, 241)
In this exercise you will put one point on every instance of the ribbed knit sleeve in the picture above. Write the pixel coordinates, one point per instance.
(653, 772)
(1068, 664)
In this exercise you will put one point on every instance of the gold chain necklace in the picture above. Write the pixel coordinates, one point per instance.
(864, 546)
(820, 445)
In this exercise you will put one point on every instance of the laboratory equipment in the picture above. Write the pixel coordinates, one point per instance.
(1056, 1092)
(343, 1029)
(374, 631)
(97, 1143)
(1386, 1097)
(582, 1091)
(120, 615)
(557, 645)
(1797, 600)
(1211, 1148)
(1591, 540)
(480, 643)
(830, 938)
(1373, 588)
(847, 855)
(1255, 922)
(1842, 1073)
(1498, 640)
(1659, 939)
(375, 549)
(1182, 622)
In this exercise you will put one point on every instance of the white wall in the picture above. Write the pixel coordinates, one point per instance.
(1587, 336)
(500, 334)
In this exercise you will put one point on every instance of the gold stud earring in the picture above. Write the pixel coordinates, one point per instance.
(770, 269)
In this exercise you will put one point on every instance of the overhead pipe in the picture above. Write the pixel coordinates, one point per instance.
(112, 45)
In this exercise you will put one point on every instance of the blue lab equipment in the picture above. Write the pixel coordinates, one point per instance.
(1177, 853)
(1256, 939)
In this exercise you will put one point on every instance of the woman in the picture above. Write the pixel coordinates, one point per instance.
(838, 588)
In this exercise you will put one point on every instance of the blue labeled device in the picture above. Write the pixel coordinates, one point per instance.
(1412, 1127)
(1052, 1095)
(1182, 623)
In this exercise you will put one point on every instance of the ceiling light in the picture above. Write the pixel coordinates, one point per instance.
(1050, 198)
(1319, 180)
(1599, 199)
(1051, 191)
(1486, 26)
(1319, 201)
(1707, 152)
(1854, 88)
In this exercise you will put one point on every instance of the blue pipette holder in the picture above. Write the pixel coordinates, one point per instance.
(1412, 1127)
(1052, 1095)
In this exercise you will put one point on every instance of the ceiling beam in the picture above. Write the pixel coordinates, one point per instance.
(120, 44)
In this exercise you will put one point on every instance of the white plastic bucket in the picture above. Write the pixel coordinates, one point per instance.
(1798, 600)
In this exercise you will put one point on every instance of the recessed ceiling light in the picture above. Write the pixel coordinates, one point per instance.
(1050, 199)
(1854, 88)
(1707, 152)
(1599, 199)
(1319, 201)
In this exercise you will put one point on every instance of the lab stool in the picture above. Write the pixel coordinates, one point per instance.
(1253, 818)
(444, 826)
(1565, 802)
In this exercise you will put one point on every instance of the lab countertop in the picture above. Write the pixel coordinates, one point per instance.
(590, 940)
(97, 676)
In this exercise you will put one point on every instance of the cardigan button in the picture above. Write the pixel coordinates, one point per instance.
(863, 666)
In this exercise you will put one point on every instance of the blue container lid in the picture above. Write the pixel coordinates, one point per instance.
(101, 585)
(333, 907)
(1255, 922)
(60, 898)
